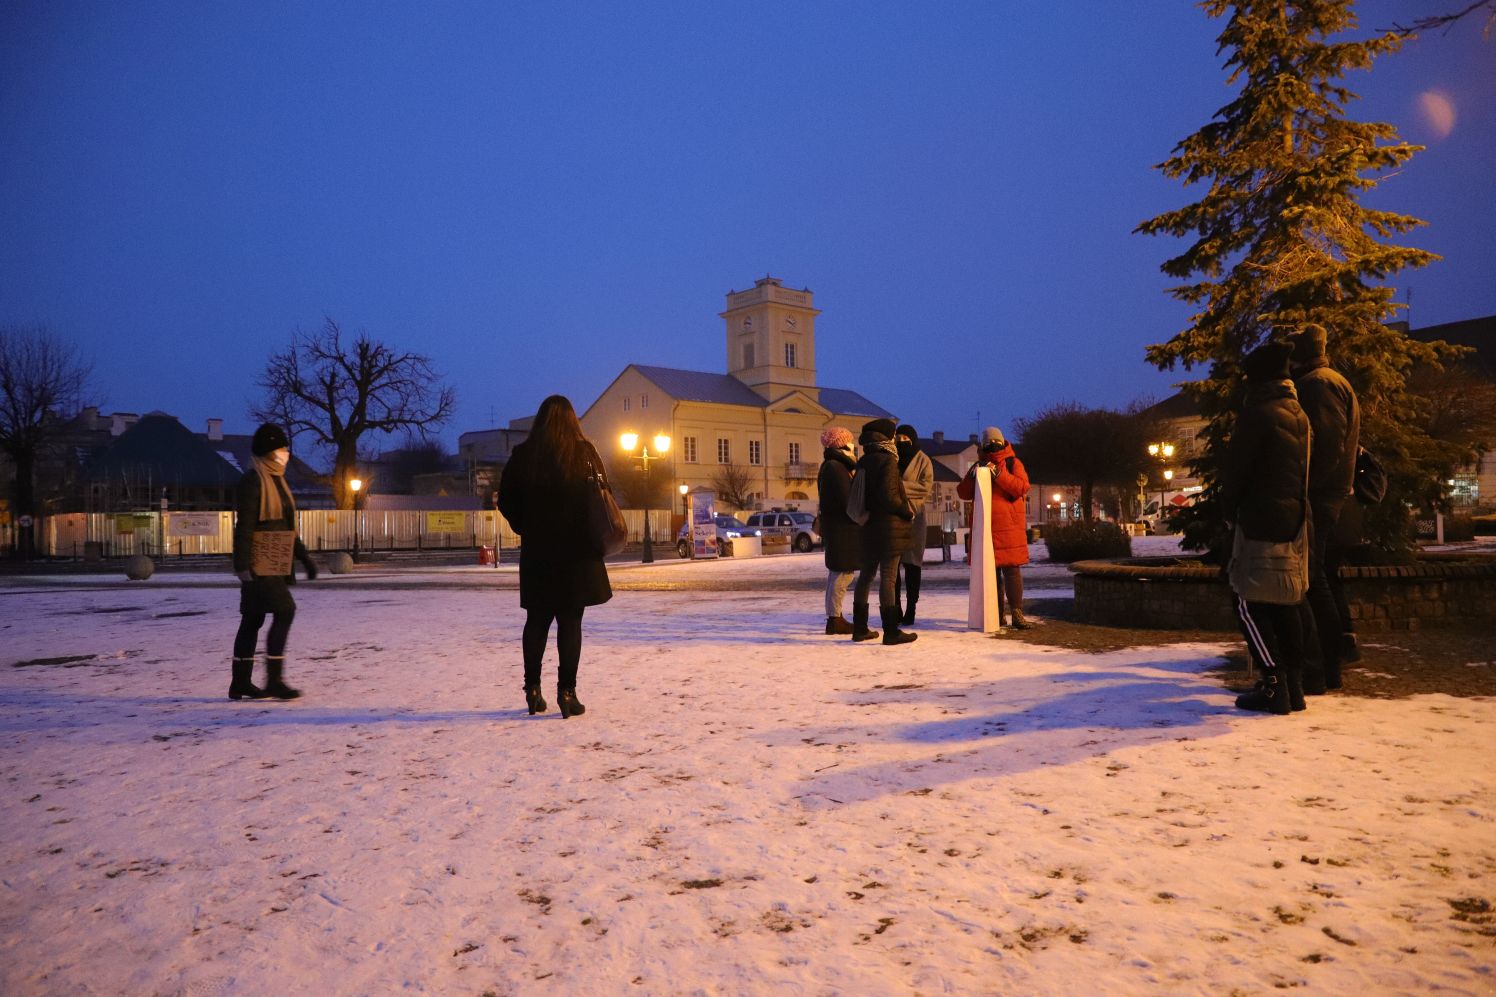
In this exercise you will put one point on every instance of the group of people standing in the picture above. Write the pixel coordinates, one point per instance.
(883, 533)
(1286, 485)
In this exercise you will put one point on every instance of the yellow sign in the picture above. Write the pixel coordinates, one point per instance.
(446, 522)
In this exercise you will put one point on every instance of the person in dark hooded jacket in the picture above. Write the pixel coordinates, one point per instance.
(263, 503)
(1263, 490)
(1335, 419)
(885, 535)
(841, 537)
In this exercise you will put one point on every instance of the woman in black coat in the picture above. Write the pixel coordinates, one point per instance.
(841, 537)
(544, 494)
(886, 533)
(263, 504)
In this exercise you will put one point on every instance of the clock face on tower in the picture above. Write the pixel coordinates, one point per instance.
(747, 321)
(789, 322)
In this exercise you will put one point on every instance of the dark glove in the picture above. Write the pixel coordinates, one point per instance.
(311, 568)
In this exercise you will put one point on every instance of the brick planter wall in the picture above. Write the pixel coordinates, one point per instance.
(1174, 594)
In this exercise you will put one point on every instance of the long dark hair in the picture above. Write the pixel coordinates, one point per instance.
(559, 450)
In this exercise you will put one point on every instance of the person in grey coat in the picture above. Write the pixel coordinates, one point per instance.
(840, 536)
(918, 472)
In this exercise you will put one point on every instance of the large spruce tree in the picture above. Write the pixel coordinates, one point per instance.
(1280, 238)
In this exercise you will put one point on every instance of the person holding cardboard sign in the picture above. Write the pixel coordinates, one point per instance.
(265, 545)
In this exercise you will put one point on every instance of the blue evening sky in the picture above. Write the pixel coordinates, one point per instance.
(537, 194)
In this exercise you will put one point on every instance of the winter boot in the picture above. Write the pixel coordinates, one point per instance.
(911, 591)
(275, 683)
(1020, 622)
(1295, 678)
(1350, 651)
(570, 706)
(241, 685)
(859, 623)
(891, 632)
(534, 700)
(838, 625)
(1270, 696)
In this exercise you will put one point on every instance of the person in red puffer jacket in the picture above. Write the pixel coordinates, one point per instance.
(1010, 484)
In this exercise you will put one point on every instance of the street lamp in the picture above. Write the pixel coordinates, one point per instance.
(357, 485)
(1162, 452)
(629, 441)
(685, 511)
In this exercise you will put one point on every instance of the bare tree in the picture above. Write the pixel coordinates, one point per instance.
(41, 377)
(1084, 446)
(1447, 21)
(339, 392)
(733, 484)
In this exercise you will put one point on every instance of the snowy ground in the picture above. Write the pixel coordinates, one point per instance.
(748, 806)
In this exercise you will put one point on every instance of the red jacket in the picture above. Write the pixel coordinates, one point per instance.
(1010, 484)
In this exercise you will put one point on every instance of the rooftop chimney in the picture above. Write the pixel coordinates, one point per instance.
(215, 430)
(938, 436)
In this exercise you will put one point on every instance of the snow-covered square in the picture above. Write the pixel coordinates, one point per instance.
(748, 805)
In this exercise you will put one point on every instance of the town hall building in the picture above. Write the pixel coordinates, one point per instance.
(761, 420)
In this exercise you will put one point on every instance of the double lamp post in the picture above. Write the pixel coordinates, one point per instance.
(631, 446)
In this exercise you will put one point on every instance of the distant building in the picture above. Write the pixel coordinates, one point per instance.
(761, 421)
(484, 452)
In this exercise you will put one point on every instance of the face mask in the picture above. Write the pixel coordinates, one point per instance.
(281, 457)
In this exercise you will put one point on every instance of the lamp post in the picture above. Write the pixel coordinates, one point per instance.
(629, 442)
(685, 511)
(1162, 452)
(357, 485)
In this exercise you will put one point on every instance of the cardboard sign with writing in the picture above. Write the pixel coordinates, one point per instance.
(270, 552)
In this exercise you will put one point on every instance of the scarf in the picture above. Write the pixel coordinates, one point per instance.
(275, 498)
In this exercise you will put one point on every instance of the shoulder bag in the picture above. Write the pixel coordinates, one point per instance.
(605, 525)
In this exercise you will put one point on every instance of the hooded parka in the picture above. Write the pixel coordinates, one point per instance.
(1010, 484)
(842, 538)
(886, 531)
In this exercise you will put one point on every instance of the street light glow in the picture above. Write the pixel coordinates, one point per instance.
(629, 441)
(662, 443)
(355, 483)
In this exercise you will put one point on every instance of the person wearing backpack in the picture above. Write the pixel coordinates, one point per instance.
(1329, 401)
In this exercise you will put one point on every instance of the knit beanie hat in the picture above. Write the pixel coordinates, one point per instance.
(880, 427)
(993, 439)
(909, 431)
(1269, 362)
(268, 439)
(836, 438)
(1308, 343)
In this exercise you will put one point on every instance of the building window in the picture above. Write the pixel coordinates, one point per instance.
(747, 354)
(724, 450)
(755, 452)
(688, 449)
(794, 453)
(789, 354)
(625, 403)
(644, 400)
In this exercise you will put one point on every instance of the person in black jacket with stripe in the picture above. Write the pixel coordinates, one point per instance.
(263, 503)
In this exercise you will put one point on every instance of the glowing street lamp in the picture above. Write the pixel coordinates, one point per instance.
(356, 485)
(629, 442)
(1162, 452)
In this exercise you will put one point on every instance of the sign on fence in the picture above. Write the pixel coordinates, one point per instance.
(129, 522)
(446, 522)
(192, 524)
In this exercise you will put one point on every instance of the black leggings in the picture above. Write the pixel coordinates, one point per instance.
(275, 640)
(887, 569)
(568, 644)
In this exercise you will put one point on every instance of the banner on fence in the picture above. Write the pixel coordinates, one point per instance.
(446, 522)
(192, 524)
(129, 522)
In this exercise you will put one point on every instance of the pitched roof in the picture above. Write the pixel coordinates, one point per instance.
(944, 448)
(724, 389)
(168, 451)
(1477, 333)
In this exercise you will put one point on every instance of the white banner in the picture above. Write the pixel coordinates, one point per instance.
(192, 524)
(982, 610)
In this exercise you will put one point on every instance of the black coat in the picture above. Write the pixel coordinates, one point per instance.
(842, 537)
(1329, 401)
(886, 531)
(559, 569)
(1265, 473)
(268, 594)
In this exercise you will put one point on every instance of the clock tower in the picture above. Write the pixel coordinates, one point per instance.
(771, 339)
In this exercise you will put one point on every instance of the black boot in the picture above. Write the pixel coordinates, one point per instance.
(838, 625)
(911, 596)
(534, 700)
(241, 684)
(275, 684)
(859, 623)
(570, 706)
(891, 632)
(1296, 690)
(1350, 651)
(1270, 696)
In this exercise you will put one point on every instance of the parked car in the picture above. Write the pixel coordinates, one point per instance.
(798, 526)
(729, 528)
